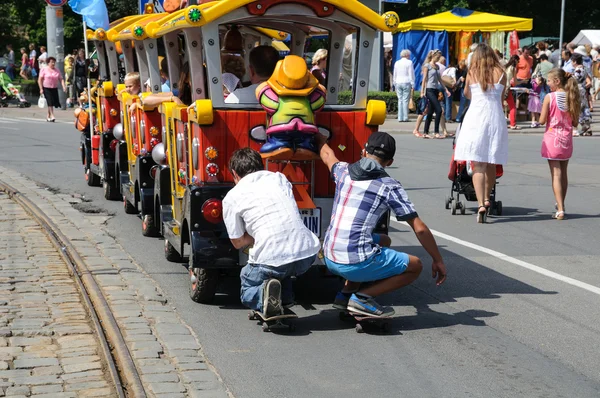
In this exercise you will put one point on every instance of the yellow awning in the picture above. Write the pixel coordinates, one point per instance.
(279, 46)
(461, 19)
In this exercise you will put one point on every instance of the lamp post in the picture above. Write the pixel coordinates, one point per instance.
(562, 25)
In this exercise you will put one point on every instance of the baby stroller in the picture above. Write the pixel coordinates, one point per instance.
(460, 173)
(10, 93)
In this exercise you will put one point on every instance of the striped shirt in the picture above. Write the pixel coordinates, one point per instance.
(364, 192)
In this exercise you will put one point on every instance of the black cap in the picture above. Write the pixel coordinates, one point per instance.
(384, 143)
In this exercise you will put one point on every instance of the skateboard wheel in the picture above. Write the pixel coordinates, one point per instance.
(251, 316)
(265, 328)
(359, 328)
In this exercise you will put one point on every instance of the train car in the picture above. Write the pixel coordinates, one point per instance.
(192, 178)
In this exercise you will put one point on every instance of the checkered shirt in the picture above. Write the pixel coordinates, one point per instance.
(357, 206)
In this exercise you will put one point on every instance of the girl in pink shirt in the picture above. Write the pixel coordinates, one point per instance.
(560, 113)
(48, 82)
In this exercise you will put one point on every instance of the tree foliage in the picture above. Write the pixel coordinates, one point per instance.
(24, 21)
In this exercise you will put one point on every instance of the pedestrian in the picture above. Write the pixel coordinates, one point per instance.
(260, 211)
(483, 138)
(10, 67)
(462, 77)
(431, 87)
(319, 62)
(388, 70)
(363, 193)
(509, 96)
(24, 64)
(48, 83)
(524, 69)
(81, 72)
(585, 82)
(567, 64)
(450, 80)
(470, 56)
(543, 67)
(536, 99)
(404, 82)
(42, 59)
(33, 67)
(560, 113)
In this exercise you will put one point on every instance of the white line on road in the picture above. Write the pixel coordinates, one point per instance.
(515, 261)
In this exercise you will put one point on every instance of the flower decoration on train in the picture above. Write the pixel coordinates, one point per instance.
(138, 31)
(154, 131)
(291, 97)
(391, 19)
(211, 153)
(100, 34)
(194, 15)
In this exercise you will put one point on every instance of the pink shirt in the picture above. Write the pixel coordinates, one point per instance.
(558, 138)
(50, 77)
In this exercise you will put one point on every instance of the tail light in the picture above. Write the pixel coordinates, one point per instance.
(212, 169)
(212, 210)
(113, 145)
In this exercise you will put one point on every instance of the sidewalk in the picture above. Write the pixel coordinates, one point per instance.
(166, 352)
(47, 344)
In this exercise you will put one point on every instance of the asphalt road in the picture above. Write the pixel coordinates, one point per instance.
(518, 315)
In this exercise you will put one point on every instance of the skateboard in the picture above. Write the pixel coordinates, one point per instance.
(362, 321)
(275, 322)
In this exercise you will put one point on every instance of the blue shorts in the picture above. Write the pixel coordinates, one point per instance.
(385, 264)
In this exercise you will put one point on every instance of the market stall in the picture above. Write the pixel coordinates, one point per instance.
(587, 36)
(453, 32)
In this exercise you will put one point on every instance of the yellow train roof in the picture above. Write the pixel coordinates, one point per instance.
(199, 15)
(136, 28)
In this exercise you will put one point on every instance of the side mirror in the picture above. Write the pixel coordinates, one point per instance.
(259, 134)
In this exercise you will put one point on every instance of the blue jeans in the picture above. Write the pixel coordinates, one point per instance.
(464, 103)
(448, 107)
(403, 92)
(254, 276)
(10, 71)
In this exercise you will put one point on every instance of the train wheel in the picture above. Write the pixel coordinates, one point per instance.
(171, 254)
(148, 227)
(128, 207)
(110, 192)
(203, 284)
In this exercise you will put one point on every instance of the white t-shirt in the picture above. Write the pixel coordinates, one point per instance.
(42, 59)
(262, 204)
(246, 95)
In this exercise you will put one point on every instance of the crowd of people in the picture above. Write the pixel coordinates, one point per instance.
(526, 71)
(560, 94)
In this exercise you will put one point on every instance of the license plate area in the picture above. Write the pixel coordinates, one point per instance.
(312, 220)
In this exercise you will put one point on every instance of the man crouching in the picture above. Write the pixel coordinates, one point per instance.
(261, 211)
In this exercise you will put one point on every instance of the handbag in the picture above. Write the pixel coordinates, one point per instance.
(42, 103)
(422, 105)
(448, 81)
(411, 105)
(33, 72)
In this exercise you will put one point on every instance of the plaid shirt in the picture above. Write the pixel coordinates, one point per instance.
(357, 206)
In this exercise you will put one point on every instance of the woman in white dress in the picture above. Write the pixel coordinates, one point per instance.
(483, 137)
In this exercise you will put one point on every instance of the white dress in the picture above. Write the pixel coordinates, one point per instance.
(483, 135)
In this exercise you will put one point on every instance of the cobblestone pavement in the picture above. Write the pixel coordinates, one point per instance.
(47, 345)
(166, 353)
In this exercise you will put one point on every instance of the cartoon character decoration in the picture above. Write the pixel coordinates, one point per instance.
(291, 97)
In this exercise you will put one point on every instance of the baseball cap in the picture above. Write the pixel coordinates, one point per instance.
(385, 143)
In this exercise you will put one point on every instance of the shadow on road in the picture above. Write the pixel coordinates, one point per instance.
(519, 214)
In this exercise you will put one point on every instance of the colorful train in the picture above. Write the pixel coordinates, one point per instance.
(168, 162)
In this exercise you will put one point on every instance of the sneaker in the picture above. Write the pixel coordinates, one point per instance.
(341, 300)
(368, 306)
(272, 298)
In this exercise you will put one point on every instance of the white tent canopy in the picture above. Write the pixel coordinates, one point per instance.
(587, 37)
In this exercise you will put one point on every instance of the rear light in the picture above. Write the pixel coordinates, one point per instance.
(113, 145)
(212, 169)
(211, 153)
(153, 171)
(212, 210)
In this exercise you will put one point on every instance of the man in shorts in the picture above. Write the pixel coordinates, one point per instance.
(364, 192)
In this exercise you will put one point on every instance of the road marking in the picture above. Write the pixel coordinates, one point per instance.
(30, 119)
(515, 261)
(3, 120)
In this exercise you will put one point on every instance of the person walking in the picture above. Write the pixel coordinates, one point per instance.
(24, 64)
(543, 67)
(560, 114)
(450, 79)
(43, 58)
(10, 67)
(483, 137)
(33, 60)
(585, 82)
(461, 78)
(404, 81)
(431, 88)
(509, 96)
(48, 81)
(81, 71)
(319, 62)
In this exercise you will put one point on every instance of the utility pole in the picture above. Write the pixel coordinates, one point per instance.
(56, 43)
(562, 26)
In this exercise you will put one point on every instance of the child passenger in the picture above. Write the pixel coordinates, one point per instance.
(560, 114)
(363, 193)
(132, 83)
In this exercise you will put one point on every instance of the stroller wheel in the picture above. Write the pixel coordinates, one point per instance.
(498, 208)
(454, 207)
(27, 105)
(462, 208)
(21, 105)
(447, 202)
